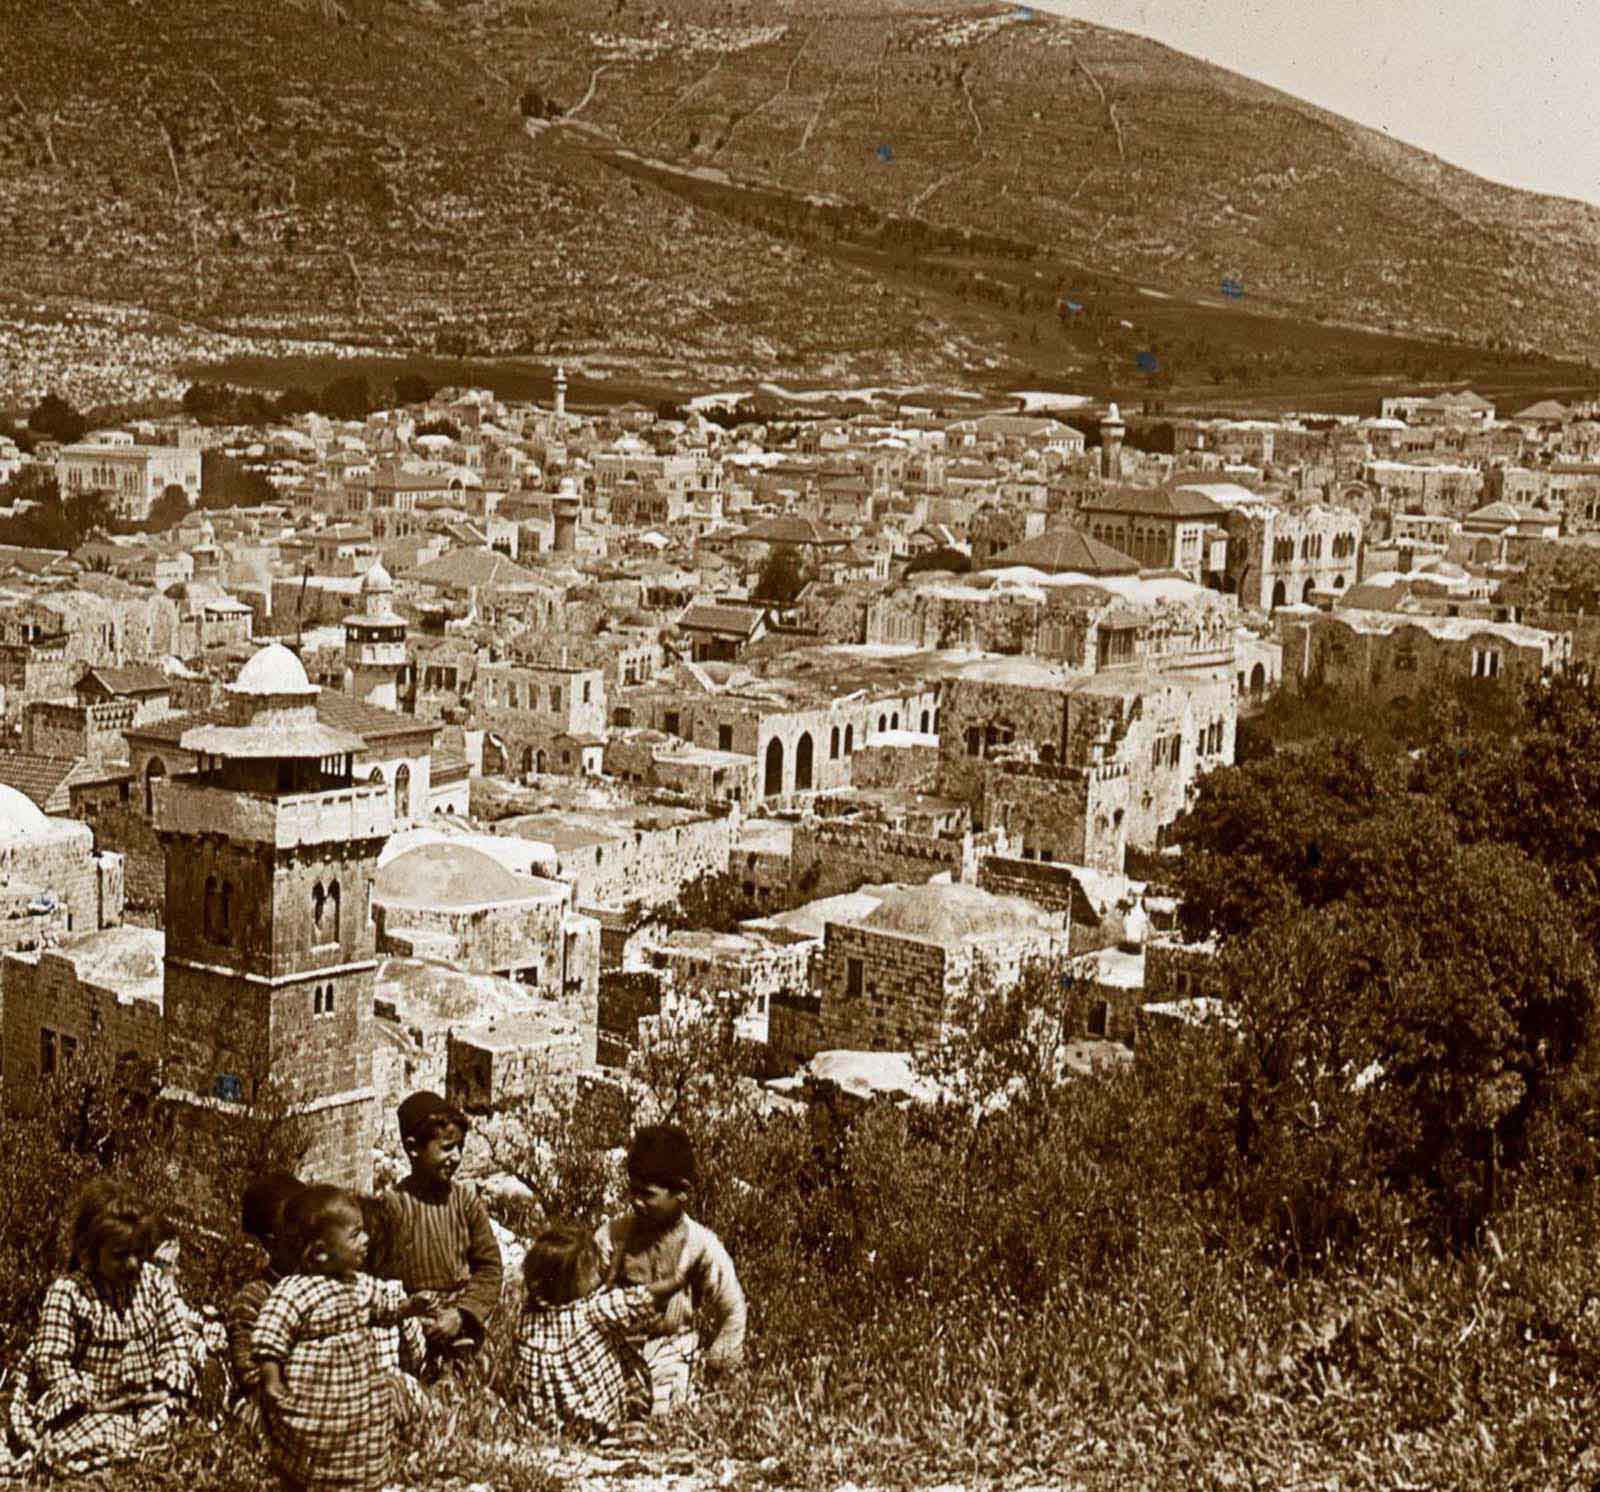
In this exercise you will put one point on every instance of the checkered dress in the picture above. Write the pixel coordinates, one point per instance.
(90, 1346)
(575, 1369)
(335, 1428)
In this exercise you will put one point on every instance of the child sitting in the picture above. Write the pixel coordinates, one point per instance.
(327, 1406)
(261, 1219)
(441, 1241)
(650, 1243)
(109, 1370)
(574, 1365)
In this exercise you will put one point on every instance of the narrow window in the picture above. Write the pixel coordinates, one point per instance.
(854, 978)
(47, 1051)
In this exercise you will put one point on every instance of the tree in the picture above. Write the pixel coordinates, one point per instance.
(55, 419)
(440, 427)
(169, 509)
(227, 483)
(950, 561)
(347, 398)
(412, 388)
(781, 578)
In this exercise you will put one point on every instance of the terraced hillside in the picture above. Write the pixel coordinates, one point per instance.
(428, 175)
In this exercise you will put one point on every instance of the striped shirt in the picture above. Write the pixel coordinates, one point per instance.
(446, 1247)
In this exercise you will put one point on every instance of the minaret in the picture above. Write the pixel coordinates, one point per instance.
(561, 393)
(565, 506)
(375, 643)
(1111, 432)
(271, 846)
(207, 557)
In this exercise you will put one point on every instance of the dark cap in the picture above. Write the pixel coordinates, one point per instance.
(663, 1155)
(417, 1110)
(262, 1204)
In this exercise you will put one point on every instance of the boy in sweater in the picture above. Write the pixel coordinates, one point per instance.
(440, 1241)
(656, 1240)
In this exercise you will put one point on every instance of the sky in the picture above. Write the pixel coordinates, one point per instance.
(1504, 88)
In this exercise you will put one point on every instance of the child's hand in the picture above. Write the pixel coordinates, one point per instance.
(443, 1327)
(273, 1392)
(417, 1305)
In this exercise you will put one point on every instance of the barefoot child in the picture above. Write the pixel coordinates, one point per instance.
(328, 1407)
(650, 1243)
(575, 1366)
(441, 1241)
(109, 1370)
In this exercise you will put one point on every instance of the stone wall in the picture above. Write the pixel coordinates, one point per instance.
(1076, 815)
(1403, 661)
(122, 828)
(794, 1031)
(829, 857)
(41, 991)
(1056, 888)
(510, 938)
(63, 861)
(903, 990)
(907, 769)
(645, 864)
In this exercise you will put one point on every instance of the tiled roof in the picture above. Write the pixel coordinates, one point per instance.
(464, 568)
(1158, 502)
(1066, 549)
(44, 779)
(138, 679)
(738, 620)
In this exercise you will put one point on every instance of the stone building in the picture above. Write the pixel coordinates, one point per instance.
(1393, 658)
(1278, 555)
(1163, 528)
(97, 989)
(1080, 768)
(888, 982)
(271, 844)
(543, 717)
(134, 475)
(452, 902)
(53, 881)
(801, 735)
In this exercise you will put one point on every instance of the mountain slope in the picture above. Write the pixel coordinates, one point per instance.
(362, 171)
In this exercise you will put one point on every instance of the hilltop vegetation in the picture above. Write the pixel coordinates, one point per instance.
(812, 190)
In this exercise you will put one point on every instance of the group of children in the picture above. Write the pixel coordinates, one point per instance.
(363, 1303)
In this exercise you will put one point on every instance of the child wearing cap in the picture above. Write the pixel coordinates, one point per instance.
(656, 1240)
(441, 1244)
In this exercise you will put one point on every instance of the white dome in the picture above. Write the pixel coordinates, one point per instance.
(274, 670)
(375, 580)
(568, 487)
(20, 816)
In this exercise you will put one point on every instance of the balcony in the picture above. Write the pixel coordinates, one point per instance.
(357, 812)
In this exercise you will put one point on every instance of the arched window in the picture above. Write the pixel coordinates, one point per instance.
(333, 912)
(773, 784)
(833, 745)
(319, 903)
(883, 722)
(402, 791)
(849, 739)
(894, 721)
(210, 920)
(225, 914)
(924, 722)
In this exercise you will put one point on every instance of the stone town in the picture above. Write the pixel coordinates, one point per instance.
(416, 772)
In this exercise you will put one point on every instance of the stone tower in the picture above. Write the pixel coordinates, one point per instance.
(207, 557)
(1112, 431)
(271, 846)
(565, 505)
(561, 394)
(375, 643)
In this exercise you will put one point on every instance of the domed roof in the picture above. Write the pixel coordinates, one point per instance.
(1027, 673)
(568, 487)
(274, 670)
(441, 875)
(950, 912)
(375, 580)
(20, 816)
